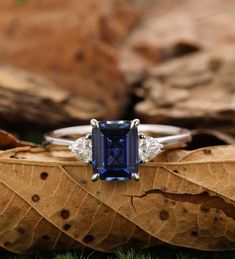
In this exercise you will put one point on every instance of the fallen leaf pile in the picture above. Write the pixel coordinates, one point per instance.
(185, 198)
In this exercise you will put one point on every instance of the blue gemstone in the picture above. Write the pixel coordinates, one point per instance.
(115, 150)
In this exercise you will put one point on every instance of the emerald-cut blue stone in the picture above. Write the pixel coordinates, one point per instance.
(115, 150)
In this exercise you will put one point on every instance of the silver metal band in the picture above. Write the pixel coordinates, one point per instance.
(174, 136)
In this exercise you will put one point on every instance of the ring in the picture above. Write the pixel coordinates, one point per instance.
(116, 148)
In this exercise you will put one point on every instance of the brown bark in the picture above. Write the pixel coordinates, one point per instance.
(26, 99)
(84, 45)
(168, 29)
(73, 43)
(195, 91)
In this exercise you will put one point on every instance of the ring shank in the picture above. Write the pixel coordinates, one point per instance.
(176, 137)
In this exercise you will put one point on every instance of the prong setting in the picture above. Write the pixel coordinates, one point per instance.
(142, 136)
(94, 123)
(135, 176)
(95, 177)
(88, 136)
(135, 123)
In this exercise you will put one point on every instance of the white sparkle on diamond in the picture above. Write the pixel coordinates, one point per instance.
(149, 147)
(82, 149)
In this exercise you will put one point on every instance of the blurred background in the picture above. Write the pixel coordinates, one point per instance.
(65, 62)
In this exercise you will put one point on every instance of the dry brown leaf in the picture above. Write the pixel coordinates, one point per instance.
(8, 141)
(187, 200)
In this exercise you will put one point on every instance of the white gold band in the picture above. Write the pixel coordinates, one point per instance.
(174, 136)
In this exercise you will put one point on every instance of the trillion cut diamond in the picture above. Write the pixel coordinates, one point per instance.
(149, 147)
(82, 149)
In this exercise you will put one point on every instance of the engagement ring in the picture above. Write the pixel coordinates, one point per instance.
(116, 148)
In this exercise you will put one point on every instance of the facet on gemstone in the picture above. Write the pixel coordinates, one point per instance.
(82, 149)
(115, 150)
(149, 147)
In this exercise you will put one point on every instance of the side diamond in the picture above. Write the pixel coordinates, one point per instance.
(82, 149)
(149, 147)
